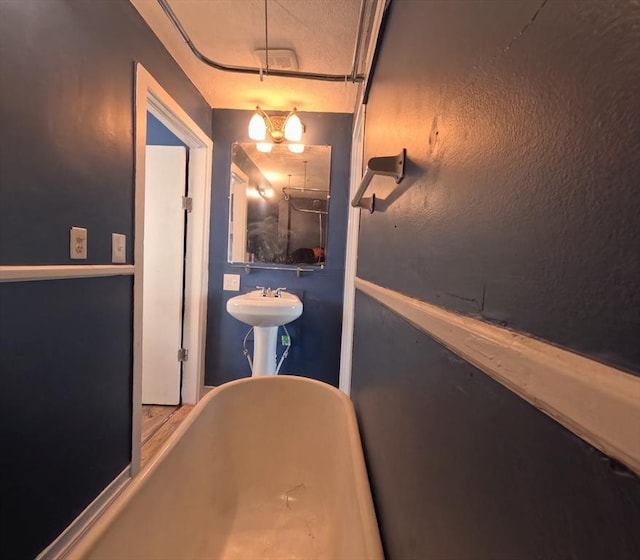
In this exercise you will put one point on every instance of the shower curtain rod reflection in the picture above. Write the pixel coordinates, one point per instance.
(302, 190)
(289, 197)
(307, 211)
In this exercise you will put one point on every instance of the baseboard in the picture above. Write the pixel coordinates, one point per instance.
(596, 402)
(59, 548)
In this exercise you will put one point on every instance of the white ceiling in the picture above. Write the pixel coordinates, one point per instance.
(321, 32)
(309, 170)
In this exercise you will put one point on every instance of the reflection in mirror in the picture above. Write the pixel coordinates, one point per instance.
(278, 204)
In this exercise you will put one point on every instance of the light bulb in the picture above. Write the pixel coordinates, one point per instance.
(296, 148)
(265, 147)
(293, 128)
(257, 127)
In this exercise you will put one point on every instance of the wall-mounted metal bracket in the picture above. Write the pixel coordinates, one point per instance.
(390, 166)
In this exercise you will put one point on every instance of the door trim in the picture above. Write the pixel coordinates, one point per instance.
(151, 96)
(353, 216)
(351, 256)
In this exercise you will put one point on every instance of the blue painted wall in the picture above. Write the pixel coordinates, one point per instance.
(460, 467)
(520, 206)
(316, 334)
(66, 402)
(66, 158)
(159, 135)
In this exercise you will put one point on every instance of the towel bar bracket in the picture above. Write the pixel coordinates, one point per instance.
(369, 203)
(389, 166)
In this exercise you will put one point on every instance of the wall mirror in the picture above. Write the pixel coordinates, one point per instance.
(278, 204)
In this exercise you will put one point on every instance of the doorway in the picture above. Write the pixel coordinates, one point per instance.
(189, 247)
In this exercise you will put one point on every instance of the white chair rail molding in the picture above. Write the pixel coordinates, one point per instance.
(596, 402)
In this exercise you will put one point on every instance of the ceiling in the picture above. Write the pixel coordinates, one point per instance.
(322, 33)
(309, 170)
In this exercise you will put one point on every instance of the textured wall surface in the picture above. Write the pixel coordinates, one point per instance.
(67, 142)
(66, 158)
(521, 199)
(520, 206)
(460, 468)
(315, 350)
(65, 391)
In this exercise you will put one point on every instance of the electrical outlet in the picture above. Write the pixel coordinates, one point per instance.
(231, 283)
(118, 248)
(78, 243)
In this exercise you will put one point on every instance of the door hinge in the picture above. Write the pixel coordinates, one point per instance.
(187, 203)
(183, 355)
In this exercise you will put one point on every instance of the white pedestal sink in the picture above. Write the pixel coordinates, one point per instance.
(265, 310)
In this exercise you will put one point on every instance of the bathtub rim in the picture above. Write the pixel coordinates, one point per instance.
(371, 533)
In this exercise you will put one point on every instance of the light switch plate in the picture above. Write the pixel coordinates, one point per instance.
(118, 248)
(231, 283)
(78, 243)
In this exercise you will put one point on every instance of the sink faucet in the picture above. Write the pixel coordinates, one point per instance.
(279, 291)
(266, 291)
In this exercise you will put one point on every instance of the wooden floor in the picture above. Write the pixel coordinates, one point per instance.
(158, 423)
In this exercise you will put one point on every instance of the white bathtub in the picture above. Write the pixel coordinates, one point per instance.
(263, 468)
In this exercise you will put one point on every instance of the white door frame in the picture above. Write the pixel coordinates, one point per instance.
(353, 224)
(151, 96)
(351, 257)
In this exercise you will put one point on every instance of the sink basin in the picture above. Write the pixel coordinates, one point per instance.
(265, 313)
(257, 310)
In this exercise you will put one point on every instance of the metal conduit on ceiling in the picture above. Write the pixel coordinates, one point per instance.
(352, 77)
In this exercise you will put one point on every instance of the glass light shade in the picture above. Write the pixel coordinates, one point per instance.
(293, 128)
(296, 148)
(257, 127)
(264, 147)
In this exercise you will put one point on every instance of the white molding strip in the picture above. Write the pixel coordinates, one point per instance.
(59, 548)
(62, 272)
(351, 254)
(598, 403)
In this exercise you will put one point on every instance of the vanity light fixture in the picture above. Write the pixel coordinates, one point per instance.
(268, 130)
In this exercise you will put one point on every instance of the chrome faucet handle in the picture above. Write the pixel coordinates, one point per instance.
(265, 291)
(279, 291)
